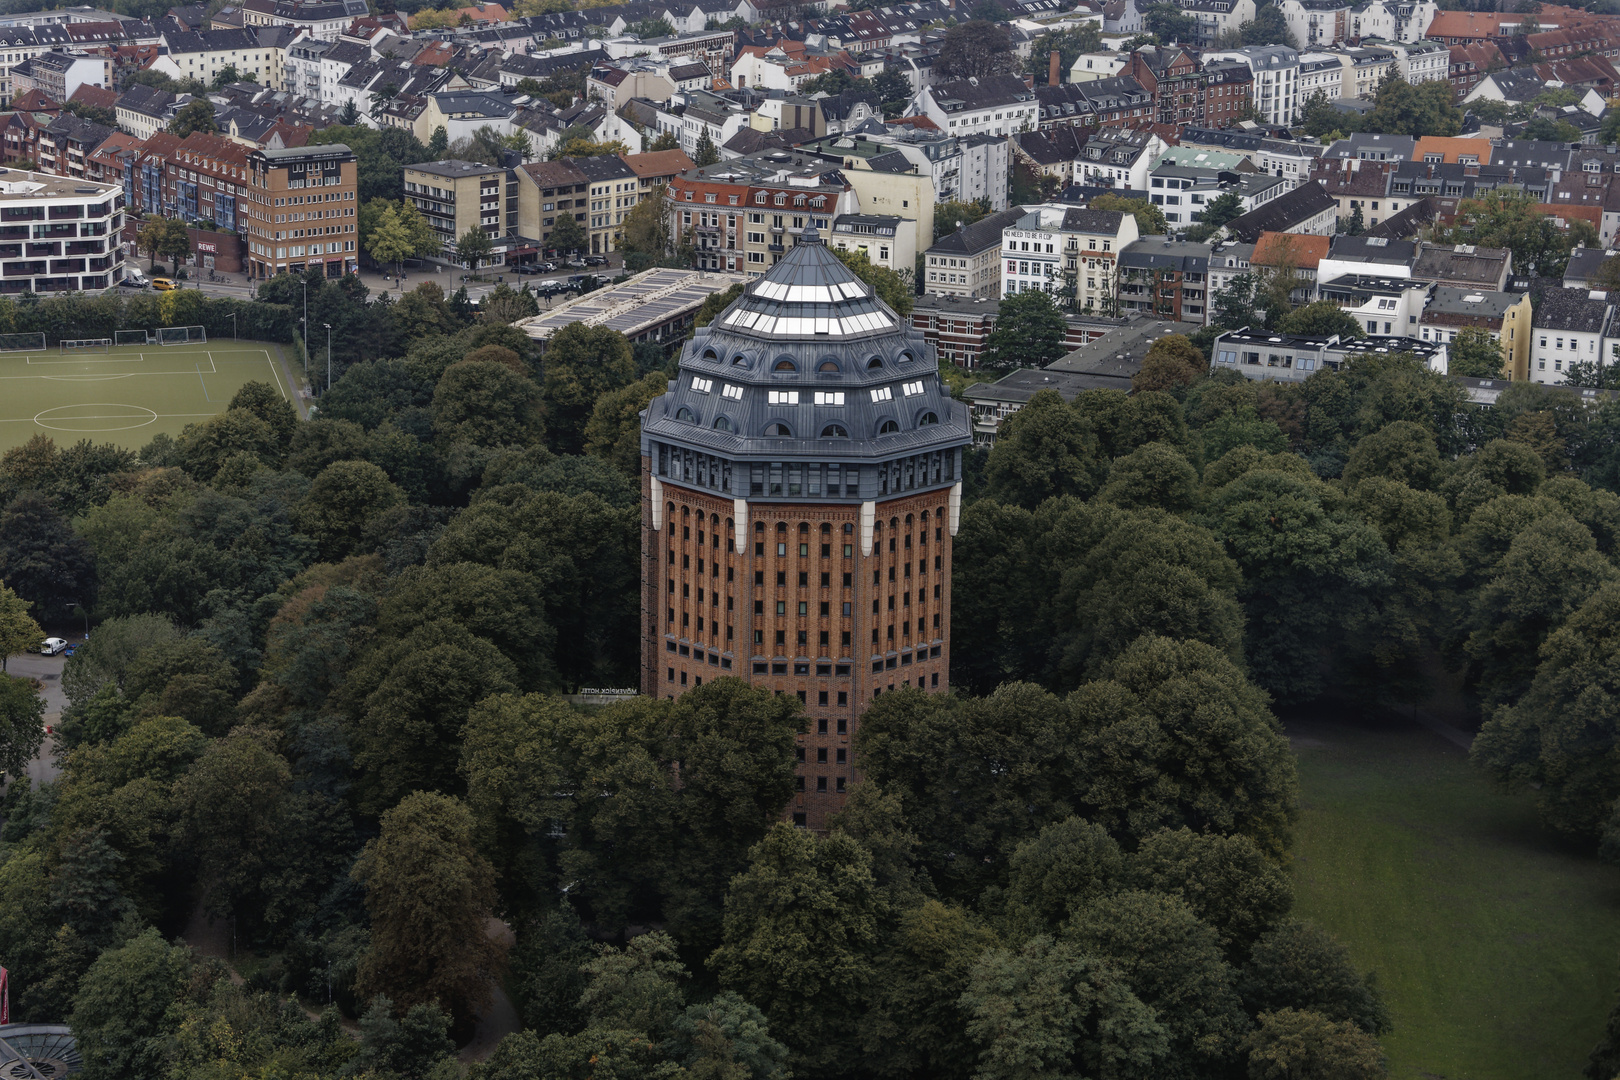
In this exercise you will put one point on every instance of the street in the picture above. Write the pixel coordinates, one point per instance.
(48, 670)
(237, 285)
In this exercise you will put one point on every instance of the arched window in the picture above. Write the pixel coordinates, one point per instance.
(804, 526)
(779, 430)
(686, 415)
(825, 528)
(888, 427)
(927, 418)
(739, 360)
(834, 431)
(828, 365)
(906, 358)
(784, 364)
(710, 354)
(849, 527)
(759, 526)
(781, 526)
(874, 363)
(722, 423)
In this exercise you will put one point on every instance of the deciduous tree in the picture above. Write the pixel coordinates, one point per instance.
(430, 895)
(976, 49)
(1029, 332)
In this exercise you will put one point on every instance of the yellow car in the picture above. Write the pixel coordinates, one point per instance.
(163, 284)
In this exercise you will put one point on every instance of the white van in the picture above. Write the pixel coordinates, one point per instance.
(52, 645)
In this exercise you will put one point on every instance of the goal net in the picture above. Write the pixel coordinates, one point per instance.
(22, 343)
(131, 337)
(181, 335)
(99, 344)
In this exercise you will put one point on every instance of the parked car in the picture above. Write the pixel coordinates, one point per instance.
(52, 645)
(163, 284)
(133, 282)
(548, 267)
(595, 260)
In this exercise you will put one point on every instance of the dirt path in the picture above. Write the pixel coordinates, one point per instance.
(501, 1018)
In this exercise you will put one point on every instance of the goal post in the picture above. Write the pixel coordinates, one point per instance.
(99, 344)
(23, 343)
(131, 337)
(182, 335)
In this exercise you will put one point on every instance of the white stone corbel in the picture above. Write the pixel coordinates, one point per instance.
(739, 515)
(956, 506)
(868, 519)
(657, 496)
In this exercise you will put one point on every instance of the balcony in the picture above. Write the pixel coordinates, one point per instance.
(776, 247)
(23, 269)
(37, 250)
(67, 266)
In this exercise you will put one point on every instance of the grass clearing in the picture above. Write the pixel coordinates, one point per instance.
(127, 394)
(1495, 941)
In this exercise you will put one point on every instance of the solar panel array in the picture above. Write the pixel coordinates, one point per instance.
(645, 301)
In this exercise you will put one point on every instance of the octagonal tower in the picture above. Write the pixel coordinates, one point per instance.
(801, 483)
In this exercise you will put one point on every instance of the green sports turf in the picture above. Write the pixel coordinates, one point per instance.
(1496, 942)
(127, 394)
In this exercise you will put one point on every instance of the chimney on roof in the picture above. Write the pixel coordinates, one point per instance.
(1054, 65)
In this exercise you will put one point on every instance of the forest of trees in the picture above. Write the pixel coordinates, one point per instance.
(320, 703)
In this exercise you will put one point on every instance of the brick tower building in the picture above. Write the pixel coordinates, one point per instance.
(801, 482)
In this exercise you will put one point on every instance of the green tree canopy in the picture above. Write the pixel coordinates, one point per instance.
(1029, 332)
(430, 895)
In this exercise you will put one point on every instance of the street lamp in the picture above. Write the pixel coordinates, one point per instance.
(233, 326)
(328, 355)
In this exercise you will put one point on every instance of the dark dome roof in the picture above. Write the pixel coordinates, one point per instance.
(807, 364)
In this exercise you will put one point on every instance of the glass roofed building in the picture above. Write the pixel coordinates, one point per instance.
(801, 483)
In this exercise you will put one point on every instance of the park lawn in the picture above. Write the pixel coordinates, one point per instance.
(1497, 944)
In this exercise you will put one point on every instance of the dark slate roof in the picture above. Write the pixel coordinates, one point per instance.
(984, 93)
(1162, 253)
(1375, 249)
(147, 100)
(1092, 221)
(1583, 264)
(1405, 224)
(1283, 213)
(978, 237)
(1450, 300)
(809, 326)
(1464, 263)
(605, 167)
(1571, 310)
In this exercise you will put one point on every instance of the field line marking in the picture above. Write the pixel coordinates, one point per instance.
(203, 384)
(275, 374)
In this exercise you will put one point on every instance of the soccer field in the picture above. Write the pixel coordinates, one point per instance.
(128, 393)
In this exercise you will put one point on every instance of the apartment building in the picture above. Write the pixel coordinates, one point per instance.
(614, 191)
(1276, 79)
(324, 19)
(1165, 278)
(58, 235)
(547, 191)
(967, 262)
(1506, 316)
(456, 197)
(740, 214)
(886, 240)
(59, 74)
(300, 211)
(1062, 249)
